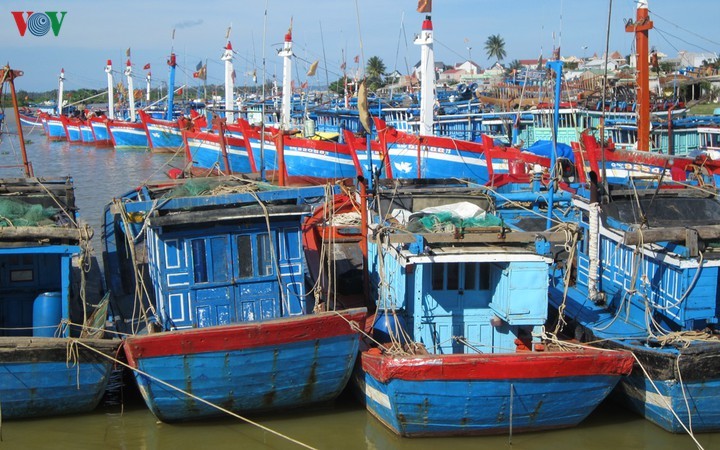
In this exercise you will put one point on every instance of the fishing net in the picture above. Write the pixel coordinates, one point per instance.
(205, 187)
(447, 222)
(451, 217)
(21, 214)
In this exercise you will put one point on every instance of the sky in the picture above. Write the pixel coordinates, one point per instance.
(94, 31)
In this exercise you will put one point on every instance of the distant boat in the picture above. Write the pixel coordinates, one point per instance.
(42, 319)
(163, 135)
(216, 151)
(462, 301)
(230, 303)
(99, 129)
(73, 128)
(54, 128)
(127, 134)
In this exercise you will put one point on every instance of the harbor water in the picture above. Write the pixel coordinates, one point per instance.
(125, 423)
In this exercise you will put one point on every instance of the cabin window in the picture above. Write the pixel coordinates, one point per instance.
(264, 260)
(199, 261)
(461, 276)
(18, 276)
(210, 260)
(257, 261)
(453, 276)
(244, 248)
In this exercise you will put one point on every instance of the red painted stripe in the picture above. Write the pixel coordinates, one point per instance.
(244, 335)
(497, 366)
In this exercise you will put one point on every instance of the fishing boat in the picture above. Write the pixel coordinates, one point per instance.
(73, 128)
(53, 359)
(54, 128)
(165, 135)
(462, 301)
(29, 117)
(216, 151)
(643, 278)
(284, 151)
(99, 129)
(230, 305)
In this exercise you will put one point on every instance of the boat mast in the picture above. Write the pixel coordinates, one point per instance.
(556, 66)
(286, 53)
(171, 88)
(147, 87)
(229, 84)
(131, 90)
(111, 92)
(9, 75)
(427, 77)
(642, 25)
(61, 85)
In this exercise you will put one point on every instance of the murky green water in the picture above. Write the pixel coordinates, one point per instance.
(101, 174)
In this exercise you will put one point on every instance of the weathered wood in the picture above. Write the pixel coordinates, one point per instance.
(670, 234)
(36, 233)
(493, 237)
(226, 214)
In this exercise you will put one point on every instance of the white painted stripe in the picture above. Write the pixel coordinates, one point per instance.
(377, 396)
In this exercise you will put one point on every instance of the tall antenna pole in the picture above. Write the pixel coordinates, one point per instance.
(286, 54)
(427, 77)
(111, 92)
(229, 83)
(642, 25)
(61, 85)
(131, 90)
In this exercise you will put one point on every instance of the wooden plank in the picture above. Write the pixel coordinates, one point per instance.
(669, 234)
(35, 233)
(226, 214)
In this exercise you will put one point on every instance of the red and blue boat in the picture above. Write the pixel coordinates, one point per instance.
(462, 304)
(233, 327)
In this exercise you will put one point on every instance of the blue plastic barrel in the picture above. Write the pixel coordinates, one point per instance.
(47, 314)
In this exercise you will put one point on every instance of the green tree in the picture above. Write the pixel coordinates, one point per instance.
(375, 69)
(495, 47)
(514, 65)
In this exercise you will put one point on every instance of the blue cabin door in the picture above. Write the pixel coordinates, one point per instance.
(230, 276)
(211, 291)
(455, 303)
(257, 290)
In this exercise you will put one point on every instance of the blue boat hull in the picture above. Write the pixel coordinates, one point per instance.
(637, 392)
(208, 155)
(128, 137)
(226, 367)
(164, 137)
(37, 382)
(55, 130)
(476, 394)
(86, 134)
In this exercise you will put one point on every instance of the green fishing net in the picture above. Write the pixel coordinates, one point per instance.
(198, 187)
(17, 213)
(447, 222)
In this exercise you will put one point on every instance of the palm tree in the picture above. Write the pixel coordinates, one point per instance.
(495, 46)
(515, 65)
(375, 67)
(375, 70)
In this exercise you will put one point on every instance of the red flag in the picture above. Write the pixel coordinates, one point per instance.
(424, 6)
(304, 85)
(357, 59)
(179, 91)
(342, 66)
(146, 66)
